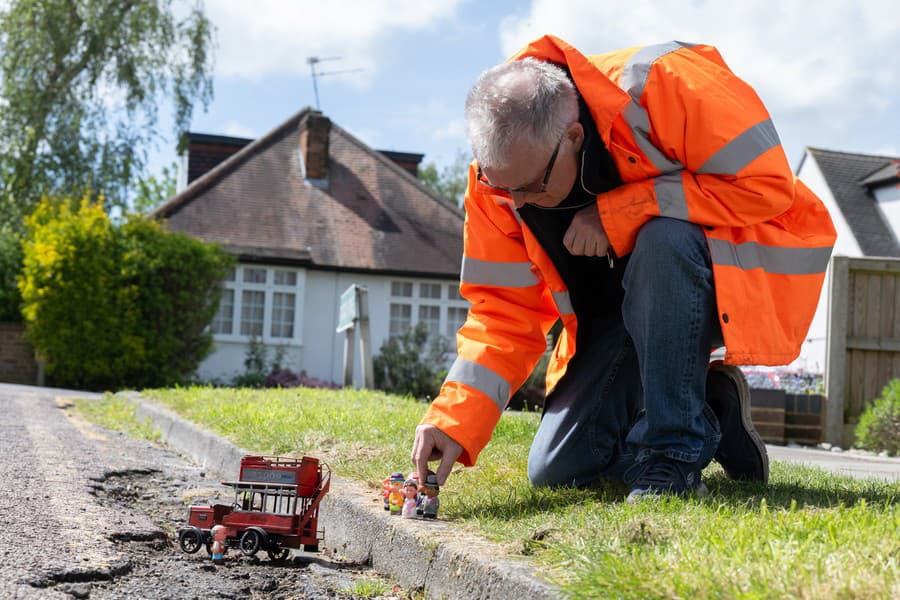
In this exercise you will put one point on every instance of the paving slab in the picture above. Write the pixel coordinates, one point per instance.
(842, 462)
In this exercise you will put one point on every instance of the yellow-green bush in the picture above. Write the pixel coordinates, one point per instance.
(113, 306)
(879, 425)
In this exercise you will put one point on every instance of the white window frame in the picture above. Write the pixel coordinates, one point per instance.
(416, 300)
(269, 288)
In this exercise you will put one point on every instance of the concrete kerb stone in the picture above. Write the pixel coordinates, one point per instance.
(435, 556)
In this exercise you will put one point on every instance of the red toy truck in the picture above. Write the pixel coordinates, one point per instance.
(275, 508)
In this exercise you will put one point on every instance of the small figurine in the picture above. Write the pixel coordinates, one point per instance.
(395, 499)
(410, 494)
(386, 492)
(217, 548)
(428, 508)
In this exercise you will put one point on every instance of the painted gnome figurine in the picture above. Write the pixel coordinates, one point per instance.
(428, 506)
(395, 499)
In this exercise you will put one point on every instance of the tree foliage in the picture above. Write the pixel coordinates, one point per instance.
(450, 181)
(81, 84)
(10, 267)
(109, 306)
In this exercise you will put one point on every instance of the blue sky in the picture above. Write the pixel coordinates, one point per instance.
(828, 71)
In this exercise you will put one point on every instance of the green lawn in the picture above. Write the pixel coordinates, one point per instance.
(809, 534)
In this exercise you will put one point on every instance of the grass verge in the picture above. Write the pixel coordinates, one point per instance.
(808, 534)
(115, 412)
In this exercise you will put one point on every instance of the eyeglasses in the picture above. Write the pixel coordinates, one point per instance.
(531, 188)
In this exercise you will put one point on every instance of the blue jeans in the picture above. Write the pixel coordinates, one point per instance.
(636, 387)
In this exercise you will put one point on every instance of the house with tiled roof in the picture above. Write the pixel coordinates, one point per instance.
(309, 210)
(862, 193)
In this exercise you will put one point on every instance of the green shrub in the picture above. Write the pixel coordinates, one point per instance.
(408, 364)
(110, 307)
(10, 268)
(257, 365)
(879, 425)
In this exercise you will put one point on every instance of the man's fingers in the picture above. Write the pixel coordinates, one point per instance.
(447, 461)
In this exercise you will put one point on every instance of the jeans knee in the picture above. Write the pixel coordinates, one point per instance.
(663, 233)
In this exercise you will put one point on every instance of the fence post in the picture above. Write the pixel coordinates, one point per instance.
(836, 350)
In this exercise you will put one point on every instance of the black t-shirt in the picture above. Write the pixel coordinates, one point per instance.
(594, 289)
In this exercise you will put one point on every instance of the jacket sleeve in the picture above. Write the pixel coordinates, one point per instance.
(505, 332)
(718, 160)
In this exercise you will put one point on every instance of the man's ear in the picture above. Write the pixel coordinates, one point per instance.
(575, 133)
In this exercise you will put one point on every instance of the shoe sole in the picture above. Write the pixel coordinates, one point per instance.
(746, 418)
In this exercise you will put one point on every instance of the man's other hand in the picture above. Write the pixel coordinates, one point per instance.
(586, 236)
(432, 444)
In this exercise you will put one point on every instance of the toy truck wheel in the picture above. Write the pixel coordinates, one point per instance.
(250, 543)
(190, 540)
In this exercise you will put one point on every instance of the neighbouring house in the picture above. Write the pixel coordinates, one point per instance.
(862, 193)
(309, 210)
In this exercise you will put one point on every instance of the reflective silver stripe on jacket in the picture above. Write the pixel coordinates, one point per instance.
(482, 379)
(639, 122)
(500, 274)
(772, 259)
(742, 150)
(670, 196)
(563, 303)
(633, 80)
(637, 69)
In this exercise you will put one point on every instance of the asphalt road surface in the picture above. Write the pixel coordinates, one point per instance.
(90, 513)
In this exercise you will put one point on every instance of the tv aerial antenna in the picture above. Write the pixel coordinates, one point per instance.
(315, 60)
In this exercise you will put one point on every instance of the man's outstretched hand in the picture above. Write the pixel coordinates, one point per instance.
(432, 444)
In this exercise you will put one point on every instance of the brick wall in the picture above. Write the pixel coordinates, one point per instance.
(17, 363)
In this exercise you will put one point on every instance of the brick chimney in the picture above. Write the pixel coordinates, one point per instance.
(202, 153)
(314, 130)
(408, 161)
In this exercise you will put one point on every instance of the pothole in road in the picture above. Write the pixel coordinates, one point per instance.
(123, 487)
(76, 575)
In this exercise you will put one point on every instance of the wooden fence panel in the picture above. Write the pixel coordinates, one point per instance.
(863, 344)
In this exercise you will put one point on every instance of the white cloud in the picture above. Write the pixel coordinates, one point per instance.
(268, 37)
(454, 130)
(236, 129)
(798, 55)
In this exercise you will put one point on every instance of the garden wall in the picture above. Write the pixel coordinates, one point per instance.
(17, 364)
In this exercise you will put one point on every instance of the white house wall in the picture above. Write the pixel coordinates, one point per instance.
(812, 353)
(318, 349)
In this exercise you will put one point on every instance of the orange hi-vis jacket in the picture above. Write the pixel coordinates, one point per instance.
(691, 141)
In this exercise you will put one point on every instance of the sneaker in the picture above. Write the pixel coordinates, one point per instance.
(666, 476)
(741, 452)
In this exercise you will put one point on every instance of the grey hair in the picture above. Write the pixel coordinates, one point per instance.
(521, 101)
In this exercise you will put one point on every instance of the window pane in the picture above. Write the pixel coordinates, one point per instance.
(429, 290)
(254, 275)
(431, 316)
(401, 289)
(453, 292)
(401, 319)
(253, 305)
(222, 323)
(230, 274)
(455, 318)
(285, 277)
(283, 315)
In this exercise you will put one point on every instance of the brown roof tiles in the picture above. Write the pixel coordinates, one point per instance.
(368, 214)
